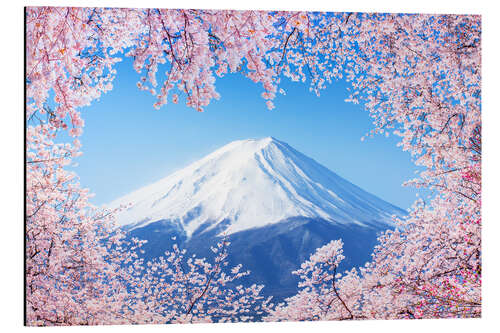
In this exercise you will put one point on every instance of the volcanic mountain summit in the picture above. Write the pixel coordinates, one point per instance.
(251, 184)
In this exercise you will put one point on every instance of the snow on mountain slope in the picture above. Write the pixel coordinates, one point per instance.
(250, 184)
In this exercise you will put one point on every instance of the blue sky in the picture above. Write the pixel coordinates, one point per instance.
(128, 144)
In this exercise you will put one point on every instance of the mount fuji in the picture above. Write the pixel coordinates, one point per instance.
(273, 203)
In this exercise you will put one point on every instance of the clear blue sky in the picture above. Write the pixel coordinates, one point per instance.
(128, 144)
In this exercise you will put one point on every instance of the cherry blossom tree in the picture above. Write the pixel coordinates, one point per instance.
(176, 289)
(418, 76)
(323, 295)
(71, 273)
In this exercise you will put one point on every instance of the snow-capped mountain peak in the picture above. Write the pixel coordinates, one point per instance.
(249, 184)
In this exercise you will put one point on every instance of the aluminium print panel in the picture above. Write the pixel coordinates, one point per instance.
(187, 166)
